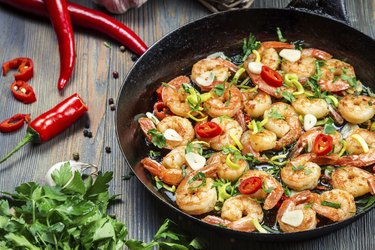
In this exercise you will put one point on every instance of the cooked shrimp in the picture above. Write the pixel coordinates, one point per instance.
(357, 109)
(237, 213)
(316, 106)
(146, 124)
(197, 196)
(174, 96)
(255, 103)
(354, 180)
(268, 56)
(332, 73)
(259, 142)
(305, 66)
(271, 190)
(301, 174)
(288, 128)
(181, 126)
(299, 202)
(228, 104)
(342, 198)
(207, 70)
(223, 170)
(231, 128)
(306, 141)
(357, 157)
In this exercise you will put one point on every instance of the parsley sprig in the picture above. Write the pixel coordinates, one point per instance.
(249, 45)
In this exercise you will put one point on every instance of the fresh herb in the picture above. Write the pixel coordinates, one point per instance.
(280, 35)
(368, 91)
(269, 190)
(275, 114)
(225, 189)
(287, 191)
(157, 138)
(183, 169)
(298, 44)
(288, 96)
(308, 205)
(219, 89)
(169, 236)
(365, 203)
(307, 171)
(153, 154)
(198, 177)
(228, 101)
(249, 45)
(318, 72)
(329, 129)
(331, 204)
(301, 167)
(351, 80)
(160, 184)
(195, 148)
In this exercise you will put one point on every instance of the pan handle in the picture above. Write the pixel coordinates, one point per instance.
(332, 8)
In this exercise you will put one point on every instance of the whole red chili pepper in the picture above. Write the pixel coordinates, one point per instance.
(60, 19)
(88, 18)
(14, 123)
(25, 67)
(23, 92)
(52, 122)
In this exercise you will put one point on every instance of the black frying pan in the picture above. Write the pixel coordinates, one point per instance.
(174, 55)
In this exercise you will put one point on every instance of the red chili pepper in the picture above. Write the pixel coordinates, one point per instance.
(159, 93)
(208, 129)
(60, 19)
(52, 122)
(14, 123)
(271, 77)
(160, 110)
(250, 185)
(24, 65)
(23, 92)
(88, 18)
(323, 144)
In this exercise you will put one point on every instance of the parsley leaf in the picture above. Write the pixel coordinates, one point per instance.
(219, 89)
(301, 167)
(249, 45)
(198, 177)
(329, 129)
(298, 44)
(289, 97)
(157, 138)
(276, 114)
(331, 204)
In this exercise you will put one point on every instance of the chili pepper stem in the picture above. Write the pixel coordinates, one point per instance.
(28, 138)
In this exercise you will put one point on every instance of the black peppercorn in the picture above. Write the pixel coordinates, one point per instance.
(89, 134)
(134, 58)
(113, 107)
(75, 156)
(115, 74)
(85, 132)
(108, 149)
(110, 101)
(122, 48)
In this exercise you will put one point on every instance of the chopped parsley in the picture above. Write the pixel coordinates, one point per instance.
(275, 114)
(300, 167)
(280, 35)
(298, 44)
(219, 89)
(249, 45)
(331, 204)
(288, 96)
(157, 138)
(198, 177)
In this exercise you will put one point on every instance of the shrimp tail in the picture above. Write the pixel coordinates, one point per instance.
(169, 176)
(327, 212)
(360, 161)
(371, 185)
(214, 220)
(146, 124)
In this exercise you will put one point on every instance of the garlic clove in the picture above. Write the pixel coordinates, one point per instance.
(293, 218)
(206, 79)
(195, 161)
(292, 55)
(255, 67)
(172, 135)
(309, 121)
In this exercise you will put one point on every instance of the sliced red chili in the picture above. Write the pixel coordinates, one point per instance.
(14, 123)
(23, 92)
(160, 110)
(323, 144)
(159, 92)
(271, 77)
(208, 129)
(24, 65)
(250, 185)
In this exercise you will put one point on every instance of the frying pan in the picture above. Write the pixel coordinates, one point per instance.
(174, 55)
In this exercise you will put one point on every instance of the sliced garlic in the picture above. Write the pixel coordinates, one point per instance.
(217, 55)
(205, 79)
(293, 218)
(309, 121)
(255, 67)
(292, 55)
(172, 135)
(153, 118)
(195, 161)
(347, 129)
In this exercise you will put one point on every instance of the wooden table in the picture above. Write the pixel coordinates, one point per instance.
(23, 35)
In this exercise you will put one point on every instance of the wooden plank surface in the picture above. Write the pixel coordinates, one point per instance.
(24, 35)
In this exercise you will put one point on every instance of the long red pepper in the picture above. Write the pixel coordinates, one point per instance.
(88, 18)
(60, 19)
(52, 122)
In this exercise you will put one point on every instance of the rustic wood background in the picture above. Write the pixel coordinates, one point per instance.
(24, 35)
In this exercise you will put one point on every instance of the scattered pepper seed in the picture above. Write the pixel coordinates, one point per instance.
(110, 101)
(108, 149)
(87, 125)
(85, 132)
(113, 107)
(76, 156)
(89, 134)
(115, 74)
(122, 48)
